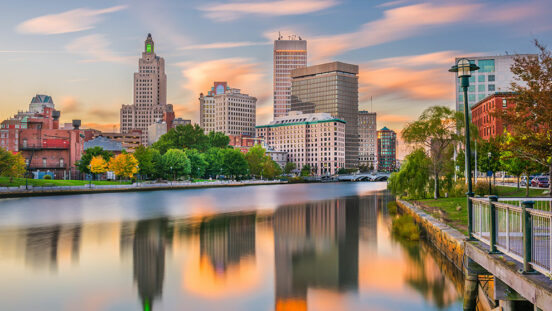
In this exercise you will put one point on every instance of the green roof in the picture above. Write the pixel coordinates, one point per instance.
(298, 123)
(384, 129)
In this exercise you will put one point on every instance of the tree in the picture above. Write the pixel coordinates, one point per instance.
(436, 130)
(11, 165)
(124, 165)
(146, 165)
(214, 159)
(98, 165)
(218, 140)
(175, 163)
(485, 162)
(197, 162)
(529, 121)
(271, 169)
(413, 177)
(255, 158)
(289, 167)
(234, 163)
(306, 170)
(183, 137)
(513, 165)
(83, 165)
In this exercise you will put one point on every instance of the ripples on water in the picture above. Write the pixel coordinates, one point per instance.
(286, 247)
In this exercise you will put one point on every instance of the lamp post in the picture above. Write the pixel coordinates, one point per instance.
(464, 68)
(489, 163)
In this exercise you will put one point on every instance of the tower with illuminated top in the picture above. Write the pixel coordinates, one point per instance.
(150, 93)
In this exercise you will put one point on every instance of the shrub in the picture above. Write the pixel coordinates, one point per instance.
(47, 177)
(404, 227)
(482, 188)
(392, 208)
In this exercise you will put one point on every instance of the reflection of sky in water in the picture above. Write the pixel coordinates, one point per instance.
(317, 246)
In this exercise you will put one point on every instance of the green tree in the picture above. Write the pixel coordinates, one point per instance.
(83, 165)
(11, 165)
(489, 157)
(271, 169)
(218, 140)
(146, 166)
(513, 165)
(197, 162)
(183, 137)
(214, 159)
(157, 160)
(289, 167)
(234, 163)
(255, 158)
(306, 170)
(530, 119)
(175, 163)
(412, 180)
(436, 130)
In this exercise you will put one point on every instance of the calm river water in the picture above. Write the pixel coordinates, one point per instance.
(278, 247)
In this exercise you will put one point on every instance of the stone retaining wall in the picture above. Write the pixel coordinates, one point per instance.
(447, 240)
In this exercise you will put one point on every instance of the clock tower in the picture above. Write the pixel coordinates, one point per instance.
(148, 44)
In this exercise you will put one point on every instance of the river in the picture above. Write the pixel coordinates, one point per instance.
(276, 247)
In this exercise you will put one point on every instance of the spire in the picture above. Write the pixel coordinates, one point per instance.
(148, 46)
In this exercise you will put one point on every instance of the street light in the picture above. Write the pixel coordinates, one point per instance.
(489, 158)
(464, 68)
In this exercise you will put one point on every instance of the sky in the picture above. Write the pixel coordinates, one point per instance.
(84, 54)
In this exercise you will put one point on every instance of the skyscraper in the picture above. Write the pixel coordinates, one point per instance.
(387, 150)
(288, 55)
(367, 152)
(150, 93)
(227, 110)
(330, 88)
(493, 76)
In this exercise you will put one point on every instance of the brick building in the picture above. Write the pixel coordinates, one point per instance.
(483, 114)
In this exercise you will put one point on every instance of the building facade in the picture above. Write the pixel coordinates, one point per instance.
(150, 94)
(288, 55)
(483, 114)
(129, 140)
(493, 76)
(155, 131)
(387, 150)
(227, 110)
(315, 139)
(368, 135)
(330, 88)
(179, 121)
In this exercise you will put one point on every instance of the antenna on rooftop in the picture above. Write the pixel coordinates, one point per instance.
(279, 36)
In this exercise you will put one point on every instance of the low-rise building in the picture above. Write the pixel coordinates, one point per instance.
(155, 131)
(485, 111)
(129, 140)
(179, 121)
(314, 139)
(113, 146)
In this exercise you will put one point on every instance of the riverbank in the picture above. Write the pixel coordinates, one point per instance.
(23, 191)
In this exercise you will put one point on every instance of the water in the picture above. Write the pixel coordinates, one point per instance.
(279, 247)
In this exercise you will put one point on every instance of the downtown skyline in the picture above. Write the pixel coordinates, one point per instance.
(84, 57)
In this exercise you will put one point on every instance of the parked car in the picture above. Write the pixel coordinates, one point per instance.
(523, 181)
(541, 182)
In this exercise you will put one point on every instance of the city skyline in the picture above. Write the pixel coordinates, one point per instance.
(84, 57)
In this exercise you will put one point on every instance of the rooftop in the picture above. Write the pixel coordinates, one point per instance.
(296, 117)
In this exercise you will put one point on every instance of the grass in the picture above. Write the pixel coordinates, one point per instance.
(5, 182)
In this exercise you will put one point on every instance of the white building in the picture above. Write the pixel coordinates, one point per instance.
(150, 93)
(156, 130)
(368, 134)
(493, 76)
(226, 110)
(288, 55)
(314, 139)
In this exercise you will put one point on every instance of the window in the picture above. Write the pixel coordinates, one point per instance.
(487, 65)
(480, 97)
(491, 78)
(44, 162)
(61, 162)
(481, 88)
(481, 78)
(24, 143)
(471, 89)
(471, 97)
(491, 87)
(504, 103)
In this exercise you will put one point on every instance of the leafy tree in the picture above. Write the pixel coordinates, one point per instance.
(197, 162)
(514, 165)
(183, 137)
(530, 119)
(218, 140)
(486, 163)
(145, 157)
(342, 171)
(11, 165)
(289, 167)
(234, 163)
(98, 165)
(124, 165)
(306, 170)
(214, 159)
(413, 177)
(83, 165)
(175, 163)
(271, 169)
(255, 158)
(436, 130)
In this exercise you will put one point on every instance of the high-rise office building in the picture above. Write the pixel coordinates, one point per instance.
(288, 55)
(368, 146)
(387, 150)
(493, 76)
(150, 93)
(226, 110)
(331, 88)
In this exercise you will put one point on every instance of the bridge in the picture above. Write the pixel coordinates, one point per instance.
(364, 177)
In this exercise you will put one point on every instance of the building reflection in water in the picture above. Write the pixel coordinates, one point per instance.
(315, 246)
(44, 245)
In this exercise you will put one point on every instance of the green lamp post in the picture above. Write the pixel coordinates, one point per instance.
(464, 68)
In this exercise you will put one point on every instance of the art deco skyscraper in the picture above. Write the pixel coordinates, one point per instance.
(150, 93)
(288, 55)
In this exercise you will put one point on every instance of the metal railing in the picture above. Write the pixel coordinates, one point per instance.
(522, 231)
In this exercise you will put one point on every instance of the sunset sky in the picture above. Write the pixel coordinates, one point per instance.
(84, 55)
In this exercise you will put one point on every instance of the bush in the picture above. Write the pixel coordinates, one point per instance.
(482, 188)
(47, 177)
(392, 208)
(459, 189)
(404, 227)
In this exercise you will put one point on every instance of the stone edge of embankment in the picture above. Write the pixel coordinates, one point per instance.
(449, 241)
(71, 190)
